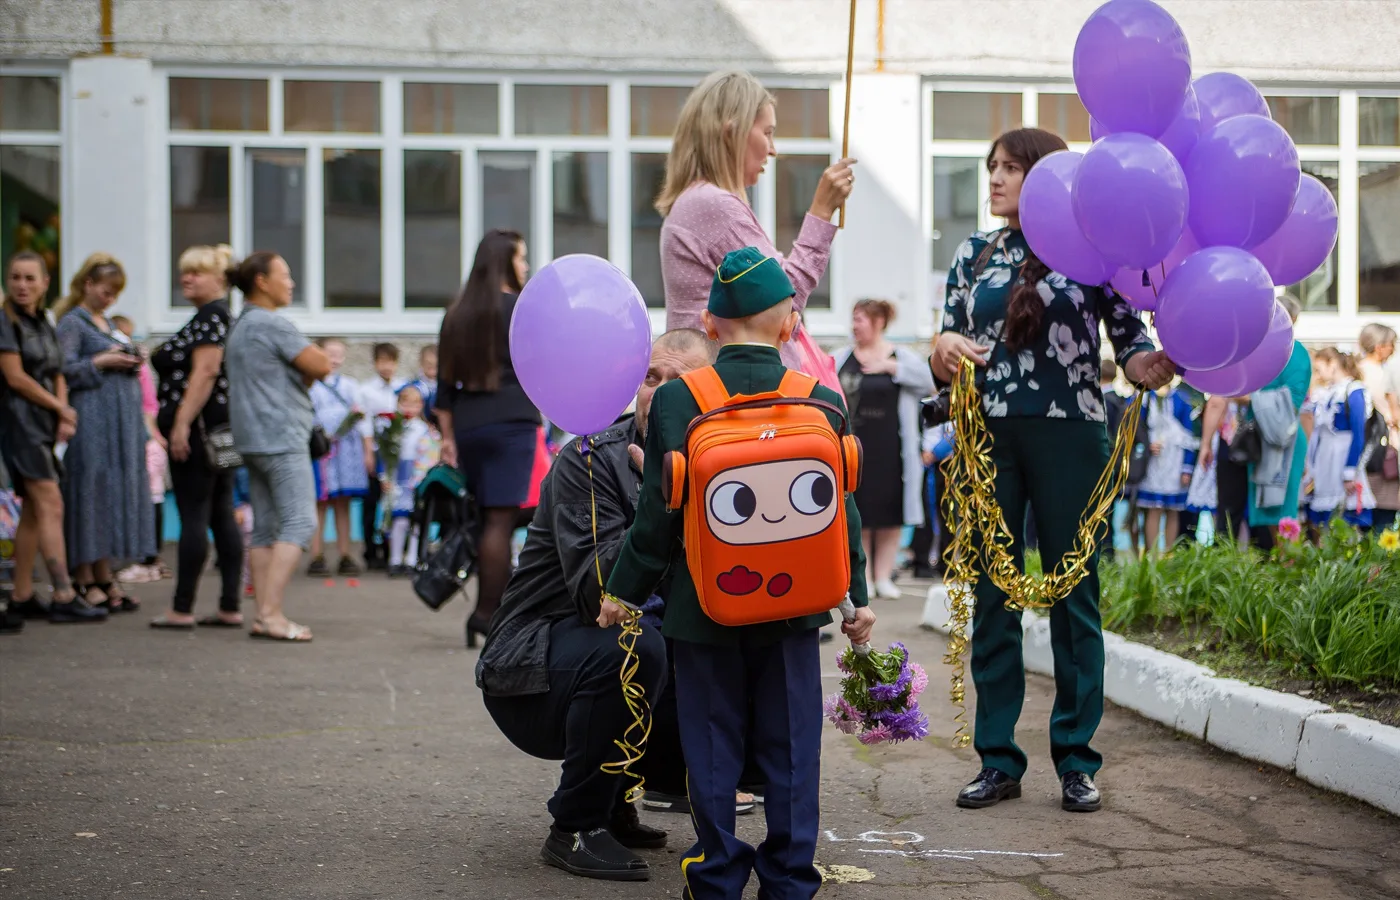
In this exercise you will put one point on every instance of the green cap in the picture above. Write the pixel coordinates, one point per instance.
(747, 283)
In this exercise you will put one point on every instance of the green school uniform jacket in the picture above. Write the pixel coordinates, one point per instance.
(654, 542)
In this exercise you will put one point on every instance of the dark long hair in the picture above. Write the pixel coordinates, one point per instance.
(1025, 309)
(470, 341)
(244, 275)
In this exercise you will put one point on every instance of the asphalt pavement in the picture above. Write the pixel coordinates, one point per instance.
(154, 764)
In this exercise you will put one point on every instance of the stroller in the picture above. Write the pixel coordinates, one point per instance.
(447, 558)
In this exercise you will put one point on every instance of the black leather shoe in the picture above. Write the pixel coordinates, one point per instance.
(33, 608)
(1078, 794)
(11, 619)
(76, 610)
(990, 787)
(627, 827)
(593, 854)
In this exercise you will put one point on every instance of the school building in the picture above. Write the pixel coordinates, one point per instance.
(371, 142)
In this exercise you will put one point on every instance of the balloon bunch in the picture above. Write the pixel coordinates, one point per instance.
(1190, 203)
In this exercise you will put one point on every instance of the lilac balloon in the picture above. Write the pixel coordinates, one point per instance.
(1255, 370)
(1047, 220)
(1130, 199)
(1132, 66)
(1128, 282)
(1181, 135)
(1224, 95)
(1244, 177)
(1305, 239)
(580, 341)
(1215, 308)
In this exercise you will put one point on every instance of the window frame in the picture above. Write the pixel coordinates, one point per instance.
(57, 139)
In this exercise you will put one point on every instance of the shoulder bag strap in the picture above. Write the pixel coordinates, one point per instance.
(796, 384)
(707, 388)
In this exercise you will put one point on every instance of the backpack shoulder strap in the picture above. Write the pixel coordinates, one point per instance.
(796, 384)
(707, 388)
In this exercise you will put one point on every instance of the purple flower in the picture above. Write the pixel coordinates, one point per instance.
(841, 662)
(876, 735)
(910, 724)
(842, 714)
(890, 692)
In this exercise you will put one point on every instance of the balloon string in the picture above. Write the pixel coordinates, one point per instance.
(632, 747)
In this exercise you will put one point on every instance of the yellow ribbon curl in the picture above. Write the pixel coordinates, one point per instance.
(633, 748)
(971, 507)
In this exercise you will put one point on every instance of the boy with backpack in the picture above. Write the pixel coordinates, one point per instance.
(747, 482)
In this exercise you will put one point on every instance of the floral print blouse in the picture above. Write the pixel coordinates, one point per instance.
(1058, 376)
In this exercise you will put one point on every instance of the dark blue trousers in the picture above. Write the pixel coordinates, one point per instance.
(767, 698)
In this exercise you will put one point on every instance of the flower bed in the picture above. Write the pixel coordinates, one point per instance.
(1322, 621)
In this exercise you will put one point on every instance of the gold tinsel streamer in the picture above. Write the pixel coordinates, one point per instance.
(971, 507)
(633, 742)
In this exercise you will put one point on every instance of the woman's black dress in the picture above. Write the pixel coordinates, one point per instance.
(28, 432)
(874, 401)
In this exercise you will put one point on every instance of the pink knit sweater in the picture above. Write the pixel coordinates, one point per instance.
(707, 222)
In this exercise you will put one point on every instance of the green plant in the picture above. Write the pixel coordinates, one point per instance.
(1330, 611)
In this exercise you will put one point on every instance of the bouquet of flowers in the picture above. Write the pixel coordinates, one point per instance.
(879, 697)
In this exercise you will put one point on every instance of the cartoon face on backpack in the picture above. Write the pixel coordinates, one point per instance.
(763, 483)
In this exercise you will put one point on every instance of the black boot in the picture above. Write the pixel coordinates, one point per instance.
(593, 854)
(627, 827)
(990, 787)
(76, 610)
(33, 608)
(1078, 793)
(11, 619)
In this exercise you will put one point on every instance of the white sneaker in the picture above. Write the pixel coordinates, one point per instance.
(887, 590)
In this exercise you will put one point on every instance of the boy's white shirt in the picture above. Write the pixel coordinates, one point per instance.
(376, 397)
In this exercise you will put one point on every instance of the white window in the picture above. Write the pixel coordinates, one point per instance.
(31, 169)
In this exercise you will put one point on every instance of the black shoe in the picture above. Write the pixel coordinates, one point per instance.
(33, 608)
(627, 827)
(400, 571)
(990, 787)
(593, 854)
(348, 568)
(318, 568)
(679, 803)
(476, 627)
(75, 610)
(11, 619)
(1078, 794)
(826, 637)
(925, 572)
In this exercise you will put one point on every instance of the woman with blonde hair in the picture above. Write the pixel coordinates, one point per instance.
(106, 491)
(193, 398)
(723, 141)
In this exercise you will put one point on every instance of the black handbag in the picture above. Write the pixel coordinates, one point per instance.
(1248, 445)
(320, 445)
(438, 580)
(218, 447)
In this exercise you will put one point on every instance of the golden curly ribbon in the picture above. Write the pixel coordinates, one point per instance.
(971, 507)
(633, 748)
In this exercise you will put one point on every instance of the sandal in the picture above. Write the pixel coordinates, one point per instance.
(118, 600)
(218, 622)
(163, 622)
(297, 634)
(81, 591)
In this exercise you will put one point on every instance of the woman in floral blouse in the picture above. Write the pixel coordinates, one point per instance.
(1036, 335)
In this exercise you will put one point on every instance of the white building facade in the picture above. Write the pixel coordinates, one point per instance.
(372, 142)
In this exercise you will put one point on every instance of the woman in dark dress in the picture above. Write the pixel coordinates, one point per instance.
(193, 397)
(489, 426)
(883, 385)
(35, 415)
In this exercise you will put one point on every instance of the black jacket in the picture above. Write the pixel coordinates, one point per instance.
(557, 576)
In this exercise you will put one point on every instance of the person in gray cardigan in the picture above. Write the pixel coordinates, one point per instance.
(883, 386)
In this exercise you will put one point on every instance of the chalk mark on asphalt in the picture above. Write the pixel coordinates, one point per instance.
(393, 696)
(901, 839)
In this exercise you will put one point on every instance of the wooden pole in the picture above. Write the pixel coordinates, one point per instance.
(108, 44)
(880, 36)
(846, 117)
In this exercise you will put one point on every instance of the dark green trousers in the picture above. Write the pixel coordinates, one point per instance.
(1054, 464)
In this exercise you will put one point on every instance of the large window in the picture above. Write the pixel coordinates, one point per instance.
(200, 203)
(648, 172)
(278, 210)
(432, 229)
(30, 168)
(1379, 237)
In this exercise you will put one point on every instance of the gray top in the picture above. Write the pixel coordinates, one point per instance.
(269, 407)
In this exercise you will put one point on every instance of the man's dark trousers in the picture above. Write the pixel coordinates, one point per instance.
(716, 689)
(581, 716)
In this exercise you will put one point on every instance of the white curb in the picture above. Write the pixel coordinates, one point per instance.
(1343, 753)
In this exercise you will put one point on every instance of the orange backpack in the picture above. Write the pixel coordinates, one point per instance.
(763, 481)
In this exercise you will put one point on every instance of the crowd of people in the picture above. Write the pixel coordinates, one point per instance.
(263, 440)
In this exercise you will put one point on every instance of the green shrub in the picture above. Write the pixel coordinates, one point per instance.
(1331, 612)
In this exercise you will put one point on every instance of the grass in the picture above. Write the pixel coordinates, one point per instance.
(1328, 614)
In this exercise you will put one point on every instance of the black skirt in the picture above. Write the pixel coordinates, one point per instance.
(875, 420)
(497, 461)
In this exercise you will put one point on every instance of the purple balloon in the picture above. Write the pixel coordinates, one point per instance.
(1305, 239)
(1132, 66)
(1181, 135)
(1255, 370)
(580, 341)
(1224, 95)
(1047, 219)
(1130, 199)
(1215, 308)
(1244, 177)
(1128, 282)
